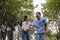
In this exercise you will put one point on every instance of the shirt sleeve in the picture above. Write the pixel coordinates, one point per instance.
(33, 23)
(45, 21)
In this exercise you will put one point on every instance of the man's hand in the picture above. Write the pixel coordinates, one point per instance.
(45, 28)
(45, 32)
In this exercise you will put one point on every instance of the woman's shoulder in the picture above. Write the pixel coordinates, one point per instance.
(29, 22)
(24, 22)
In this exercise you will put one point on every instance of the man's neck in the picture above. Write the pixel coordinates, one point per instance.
(39, 18)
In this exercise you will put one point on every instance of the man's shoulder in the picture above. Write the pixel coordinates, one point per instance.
(43, 18)
(35, 20)
(29, 22)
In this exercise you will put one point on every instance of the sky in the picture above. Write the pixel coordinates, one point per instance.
(38, 8)
(35, 2)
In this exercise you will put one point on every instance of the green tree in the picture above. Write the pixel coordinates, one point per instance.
(51, 9)
(12, 10)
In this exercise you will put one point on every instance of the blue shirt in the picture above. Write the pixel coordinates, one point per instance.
(39, 24)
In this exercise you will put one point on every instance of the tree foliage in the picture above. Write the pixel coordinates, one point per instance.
(11, 10)
(51, 9)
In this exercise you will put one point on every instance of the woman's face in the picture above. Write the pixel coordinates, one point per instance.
(28, 18)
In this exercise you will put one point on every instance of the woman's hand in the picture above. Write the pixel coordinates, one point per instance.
(25, 29)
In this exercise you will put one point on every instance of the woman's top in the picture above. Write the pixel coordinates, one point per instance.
(26, 25)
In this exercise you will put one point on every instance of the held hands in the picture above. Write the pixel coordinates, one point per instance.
(26, 29)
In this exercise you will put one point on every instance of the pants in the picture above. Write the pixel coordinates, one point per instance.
(25, 35)
(40, 36)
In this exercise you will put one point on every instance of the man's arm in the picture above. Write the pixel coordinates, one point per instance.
(45, 27)
(32, 25)
(46, 22)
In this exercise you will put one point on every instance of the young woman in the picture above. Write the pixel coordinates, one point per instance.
(25, 28)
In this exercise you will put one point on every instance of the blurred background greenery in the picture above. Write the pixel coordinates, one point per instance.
(12, 10)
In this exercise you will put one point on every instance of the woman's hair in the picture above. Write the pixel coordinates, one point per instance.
(25, 18)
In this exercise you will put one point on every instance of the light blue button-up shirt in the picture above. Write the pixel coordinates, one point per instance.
(39, 24)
